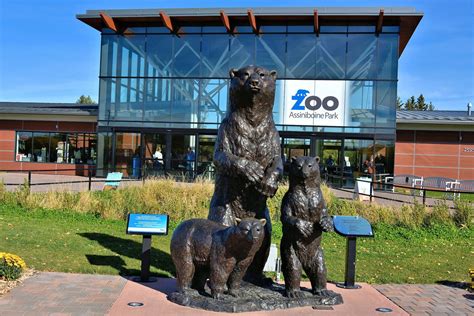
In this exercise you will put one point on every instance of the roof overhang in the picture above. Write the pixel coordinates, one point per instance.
(406, 18)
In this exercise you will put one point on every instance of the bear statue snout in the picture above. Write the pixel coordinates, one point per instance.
(254, 82)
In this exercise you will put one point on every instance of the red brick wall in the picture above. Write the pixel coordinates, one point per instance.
(7, 144)
(435, 154)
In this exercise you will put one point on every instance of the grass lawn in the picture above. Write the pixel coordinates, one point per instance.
(72, 242)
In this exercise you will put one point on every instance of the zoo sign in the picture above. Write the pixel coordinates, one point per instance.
(314, 102)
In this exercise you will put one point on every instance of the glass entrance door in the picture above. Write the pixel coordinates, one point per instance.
(154, 156)
(294, 147)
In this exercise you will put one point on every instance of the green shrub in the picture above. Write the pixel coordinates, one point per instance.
(463, 213)
(440, 215)
(11, 266)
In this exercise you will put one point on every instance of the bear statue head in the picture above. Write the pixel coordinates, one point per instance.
(305, 169)
(250, 229)
(252, 86)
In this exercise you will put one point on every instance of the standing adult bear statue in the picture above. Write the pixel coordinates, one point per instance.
(248, 157)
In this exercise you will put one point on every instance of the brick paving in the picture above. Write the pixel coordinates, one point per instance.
(429, 299)
(51, 293)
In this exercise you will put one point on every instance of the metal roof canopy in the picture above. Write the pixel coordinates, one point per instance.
(407, 18)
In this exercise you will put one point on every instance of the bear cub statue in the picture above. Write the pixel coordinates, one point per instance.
(203, 249)
(304, 217)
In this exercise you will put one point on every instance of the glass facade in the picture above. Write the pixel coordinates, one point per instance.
(156, 83)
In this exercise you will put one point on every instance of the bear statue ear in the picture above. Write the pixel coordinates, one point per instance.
(233, 72)
(263, 221)
(238, 220)
(273, 74)
(293, 159)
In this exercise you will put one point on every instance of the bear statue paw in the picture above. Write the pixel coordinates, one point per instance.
(233, 293)
(294, 294)
(324, 293)
(218, 296)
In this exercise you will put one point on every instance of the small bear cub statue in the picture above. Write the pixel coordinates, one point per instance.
(203, 249)
(304, 217)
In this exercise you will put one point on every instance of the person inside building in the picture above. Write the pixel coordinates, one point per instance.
(158, 159)
(190, 159)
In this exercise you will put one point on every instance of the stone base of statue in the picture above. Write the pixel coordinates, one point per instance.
(253, 298)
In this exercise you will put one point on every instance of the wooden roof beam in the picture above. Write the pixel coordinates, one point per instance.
(108, 21)
(166, 21)
(225, 21)
(316, 22)
(379, 22)
(253, 21)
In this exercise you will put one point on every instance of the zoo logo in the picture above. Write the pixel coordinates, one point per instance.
(313, 102)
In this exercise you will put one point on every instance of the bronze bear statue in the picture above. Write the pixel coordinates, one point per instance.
(203, 249)
(304, 217)
(247, 157)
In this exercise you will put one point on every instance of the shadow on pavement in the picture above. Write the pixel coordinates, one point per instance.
(127, 248)
(455, 284)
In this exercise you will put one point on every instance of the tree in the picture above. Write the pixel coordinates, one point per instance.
(410, 104)
(85, 100)
(421, 104)
(431, 107)
(400, 104)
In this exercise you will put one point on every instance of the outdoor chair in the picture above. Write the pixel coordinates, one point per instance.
(113, 181)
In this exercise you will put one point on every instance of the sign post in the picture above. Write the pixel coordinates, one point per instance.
(147, 225)
(351, 227)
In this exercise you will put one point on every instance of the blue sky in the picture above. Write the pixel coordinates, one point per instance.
(47, 55)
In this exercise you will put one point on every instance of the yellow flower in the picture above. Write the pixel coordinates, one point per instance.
(12, 260)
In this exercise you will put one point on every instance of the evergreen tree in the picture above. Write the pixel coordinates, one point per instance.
(421, 104)
(399, 103)
(410, 104)
(85, 100)
(431, 107)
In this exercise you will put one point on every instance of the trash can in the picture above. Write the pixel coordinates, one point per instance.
(136, 167)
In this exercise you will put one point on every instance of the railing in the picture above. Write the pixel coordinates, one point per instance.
(416, 186)
(451, 189)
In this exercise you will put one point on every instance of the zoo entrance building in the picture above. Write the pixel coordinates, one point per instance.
(164, 79)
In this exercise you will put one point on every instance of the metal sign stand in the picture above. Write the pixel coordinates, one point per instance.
(349, 278)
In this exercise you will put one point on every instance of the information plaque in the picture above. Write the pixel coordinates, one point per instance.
(147, 224)
(352, 226)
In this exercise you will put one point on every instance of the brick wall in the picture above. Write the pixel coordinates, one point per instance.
(435, 154)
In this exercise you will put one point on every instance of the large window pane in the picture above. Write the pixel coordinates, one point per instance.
(131, 49)
(387, 56)
(301, 56)
(183, 155)
(185, 100)
(104, 154)
(127, 148)
(160, 55)
(215, 56)
(187, 55)
(24, 146)
(158, 100)
(361, 102)
(271, 52)
(242, 50)
(128, 96)
(331, 56)
(213, 101)
(57, 147)
(358, 154)
(41, 147)
(386, 104)
(361, 56)
(109, 52)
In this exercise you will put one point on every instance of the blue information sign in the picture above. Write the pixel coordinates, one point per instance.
(147, 224)
(354, 226)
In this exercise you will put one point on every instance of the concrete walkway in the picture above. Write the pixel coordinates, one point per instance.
(50, 293)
